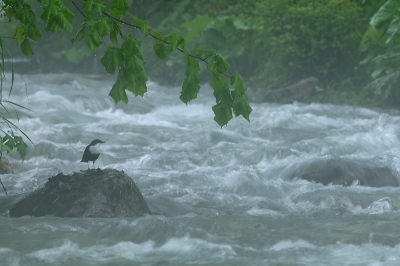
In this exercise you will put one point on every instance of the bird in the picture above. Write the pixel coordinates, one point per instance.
(92, 152)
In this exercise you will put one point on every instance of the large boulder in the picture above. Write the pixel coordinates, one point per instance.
(92, 193)
(345, 172)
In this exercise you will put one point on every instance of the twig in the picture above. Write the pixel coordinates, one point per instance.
(5, 190)
(137, 27)
(155, 37)
(80, 11)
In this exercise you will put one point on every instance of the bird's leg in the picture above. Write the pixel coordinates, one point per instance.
(88, 165)
(93, 165)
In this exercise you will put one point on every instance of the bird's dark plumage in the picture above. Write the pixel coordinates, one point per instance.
(91, 153)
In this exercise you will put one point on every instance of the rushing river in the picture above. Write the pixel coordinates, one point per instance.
(223, 195)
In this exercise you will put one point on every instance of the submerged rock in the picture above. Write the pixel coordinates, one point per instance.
(345, 172)
(92, 193)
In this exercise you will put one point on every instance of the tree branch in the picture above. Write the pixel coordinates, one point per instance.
(137, 27)
(80, 11)
(152, 35)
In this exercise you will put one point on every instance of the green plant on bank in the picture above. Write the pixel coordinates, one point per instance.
(9, 141)
(105, 18)
(311, 38)
(382, 41)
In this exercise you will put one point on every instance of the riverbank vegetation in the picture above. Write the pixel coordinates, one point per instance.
(351, 46)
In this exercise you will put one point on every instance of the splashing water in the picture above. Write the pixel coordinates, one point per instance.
(223, 194)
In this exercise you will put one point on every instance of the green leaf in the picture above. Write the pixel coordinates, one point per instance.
(218, 64)
(223, 109)
(222, 113)
(134, 81)
(53, 26)
(104, 26)
(385, 12)
(8, 143)
(119, 8)
(242, 107)
(112, 59)
(377, 71)
(191, 85)
(99, 8)
(143, 24)
(33, 32)
(2, 144)
(135, 69)
(240, 103)
(80, 34)
(63, 22)
(20, 35)
(94, 40)
(22, 11)
(185, 51)
(238, 84)
(137, 88)
(131, 46)
(171, 42)
(113, 37)
(204, 54)
(57, 16)
(132, 74)
(221, 89)
(174, 41)
(87, 7)
(134, 64)
(11, 141)
(90, 22)
(118, 91)
(158, 36)
(160, 49)
(20, 145)
(26, 48)
(394, 29)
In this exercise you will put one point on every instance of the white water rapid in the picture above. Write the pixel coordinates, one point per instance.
(222, 194)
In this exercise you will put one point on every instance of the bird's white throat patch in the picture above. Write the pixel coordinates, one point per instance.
(95, 149)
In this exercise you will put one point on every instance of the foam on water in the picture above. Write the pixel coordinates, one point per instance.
(225, 193)
(337, 254)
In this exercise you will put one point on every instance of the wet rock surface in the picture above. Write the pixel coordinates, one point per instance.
(345, 172)
(92, 193)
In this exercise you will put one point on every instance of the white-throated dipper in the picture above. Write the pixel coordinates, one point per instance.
(92, 152)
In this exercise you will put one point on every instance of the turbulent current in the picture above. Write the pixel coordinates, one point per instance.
(223, 195)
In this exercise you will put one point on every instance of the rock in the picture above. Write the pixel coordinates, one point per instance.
(296, 92)
(345, 172)
(92, 193)
(5, 167)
